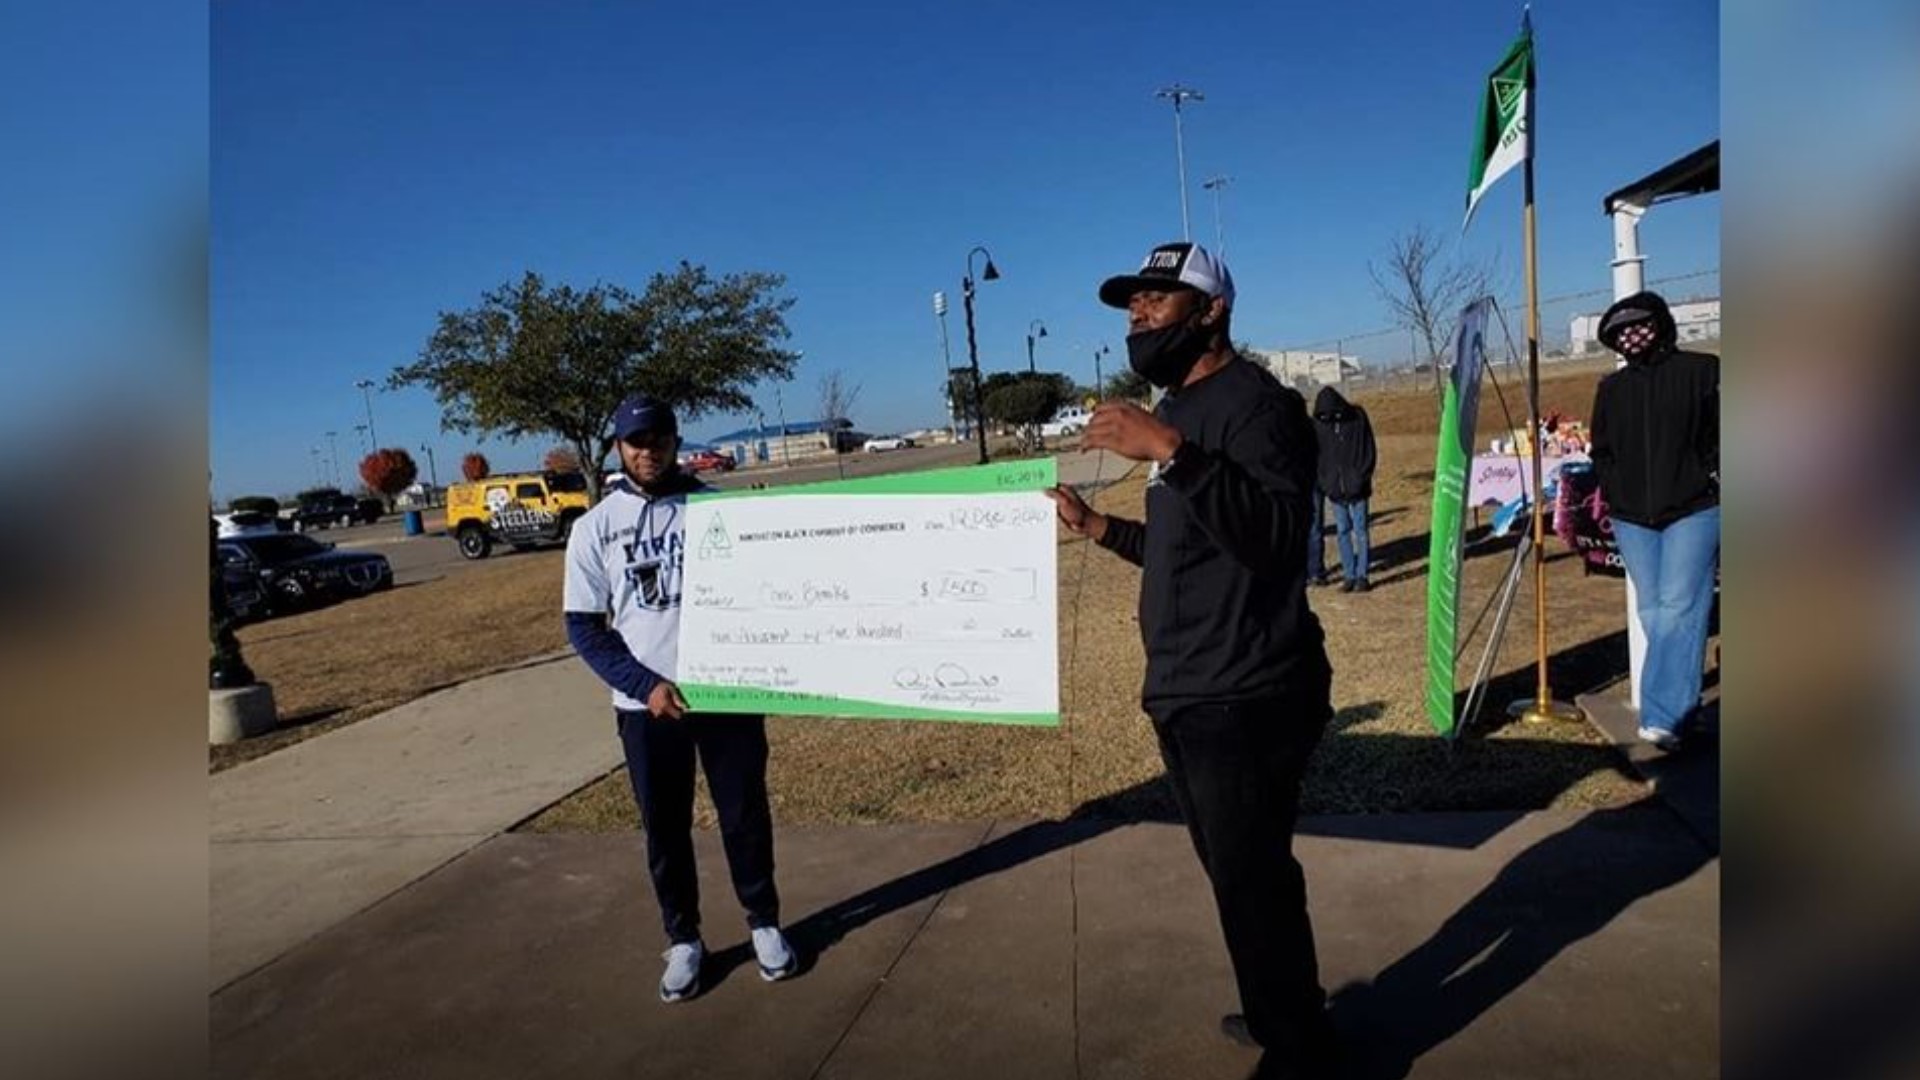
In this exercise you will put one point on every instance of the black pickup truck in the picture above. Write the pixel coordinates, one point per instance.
(329, 507)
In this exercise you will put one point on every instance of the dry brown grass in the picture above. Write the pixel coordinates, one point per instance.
(350, 661)
(1380, 756)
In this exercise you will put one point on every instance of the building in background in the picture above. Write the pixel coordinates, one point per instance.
(778, 444)
(1696, 320)
(1308, 371)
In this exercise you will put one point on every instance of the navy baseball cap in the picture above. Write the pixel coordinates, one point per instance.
(643, 415)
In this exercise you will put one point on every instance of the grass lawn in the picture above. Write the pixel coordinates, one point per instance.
(1380, 756)
(352, 661)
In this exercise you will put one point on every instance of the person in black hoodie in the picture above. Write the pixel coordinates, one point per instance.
(1238, 686)
(1656, 450)
(1347, 456)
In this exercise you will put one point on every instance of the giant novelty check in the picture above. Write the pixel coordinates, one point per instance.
(914, 596)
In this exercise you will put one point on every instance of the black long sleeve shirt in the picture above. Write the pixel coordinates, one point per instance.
(1223, 552)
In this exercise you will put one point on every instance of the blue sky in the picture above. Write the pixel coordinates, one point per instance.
(375, 163)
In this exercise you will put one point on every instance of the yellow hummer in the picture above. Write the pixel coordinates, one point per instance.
(522, 509)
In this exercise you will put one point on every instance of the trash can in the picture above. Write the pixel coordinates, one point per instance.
(413, 524)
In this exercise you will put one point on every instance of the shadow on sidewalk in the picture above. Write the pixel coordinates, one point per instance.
(1561, 890)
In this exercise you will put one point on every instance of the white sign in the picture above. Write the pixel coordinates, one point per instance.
(919, 596)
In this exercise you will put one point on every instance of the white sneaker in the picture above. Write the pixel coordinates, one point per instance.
(1659, 737)
(682, 977)
(775, 955)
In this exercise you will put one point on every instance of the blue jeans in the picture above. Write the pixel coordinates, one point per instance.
(1672, 572)
(1350, 519)
(1317, 541)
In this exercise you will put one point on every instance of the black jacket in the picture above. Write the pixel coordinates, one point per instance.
(1347, 451)
(1656, 424)
(1223, 610)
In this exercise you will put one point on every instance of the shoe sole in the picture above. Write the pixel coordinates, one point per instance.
(670, 996)
(776, 974)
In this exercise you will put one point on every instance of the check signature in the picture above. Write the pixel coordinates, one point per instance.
(948, 676)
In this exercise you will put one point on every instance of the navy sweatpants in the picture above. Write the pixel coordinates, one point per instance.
(660, 762)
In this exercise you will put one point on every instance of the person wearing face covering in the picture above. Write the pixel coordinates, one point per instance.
(1238, 686)
(1347, 457)
(1656, 452)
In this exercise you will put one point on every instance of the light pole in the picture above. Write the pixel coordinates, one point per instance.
(363, 429)
(1030, 339)
(1179, 95)
(433, 474)
(946, 360)
(333, 454)
(366, 392)
(991, 273)
(1099, 383)
(1219, 234)
(786, 448)
(318, 476)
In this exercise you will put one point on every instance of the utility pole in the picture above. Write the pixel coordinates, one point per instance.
(946, 359)
(1179, 95)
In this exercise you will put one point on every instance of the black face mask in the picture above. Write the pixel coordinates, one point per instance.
(1163, 357)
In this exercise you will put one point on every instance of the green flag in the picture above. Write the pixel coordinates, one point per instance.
(1503, 137)
(1458, 411)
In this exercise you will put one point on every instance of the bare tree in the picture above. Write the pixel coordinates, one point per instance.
(1425, 291)
(837, 397)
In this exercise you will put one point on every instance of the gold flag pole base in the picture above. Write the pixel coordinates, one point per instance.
(1536, 711)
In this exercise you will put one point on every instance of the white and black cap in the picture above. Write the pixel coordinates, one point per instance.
(1172, 266)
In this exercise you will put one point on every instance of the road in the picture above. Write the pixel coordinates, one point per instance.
(432, 555)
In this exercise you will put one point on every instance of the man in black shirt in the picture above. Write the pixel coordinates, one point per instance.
(1237, 685)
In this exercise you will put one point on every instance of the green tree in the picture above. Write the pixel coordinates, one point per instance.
(960, 396)
(1128, 385)
(534, 360)
(1026, 401)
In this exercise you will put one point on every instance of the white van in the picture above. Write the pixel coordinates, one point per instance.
(1071, 420)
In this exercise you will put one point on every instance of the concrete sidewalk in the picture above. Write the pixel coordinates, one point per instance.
(311, 835)
(1482, 945)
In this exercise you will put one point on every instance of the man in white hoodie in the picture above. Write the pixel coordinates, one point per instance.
(625, 560)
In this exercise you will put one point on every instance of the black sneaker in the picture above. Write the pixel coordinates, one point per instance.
(1363, 585)
(1347, 585)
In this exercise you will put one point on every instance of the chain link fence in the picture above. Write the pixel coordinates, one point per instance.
(1393, 357)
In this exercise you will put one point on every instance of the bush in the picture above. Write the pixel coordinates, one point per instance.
(475, 466)
(561, 459)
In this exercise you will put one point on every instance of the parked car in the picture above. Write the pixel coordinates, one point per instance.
(709, 461)
(298, 571)
(881, 443)
(247, 523)
(324, 508)
(522, 509)
(1068, 421)
(246, 598)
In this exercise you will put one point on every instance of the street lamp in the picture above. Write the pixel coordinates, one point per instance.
(433, 474)
(363, 429)
(366, 392)
(991, 273)
(1030, 338)
(333, 454)
(318, 476)
(1099, 384)
(1219, 234)
(1179, 95)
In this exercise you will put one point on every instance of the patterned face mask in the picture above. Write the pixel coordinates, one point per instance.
(1637, 339)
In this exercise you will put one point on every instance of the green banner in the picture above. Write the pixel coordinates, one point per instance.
(1458, 411)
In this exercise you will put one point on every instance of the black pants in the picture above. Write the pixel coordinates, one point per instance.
(660, 757)
(1236, 770)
